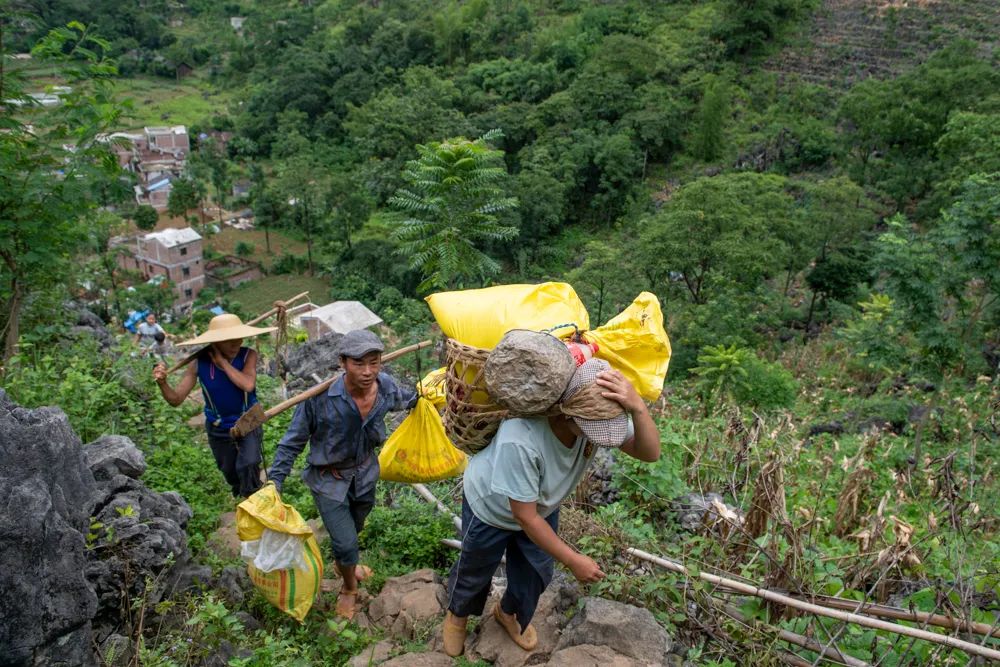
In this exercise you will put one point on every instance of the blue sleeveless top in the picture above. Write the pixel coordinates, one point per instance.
(224, 401)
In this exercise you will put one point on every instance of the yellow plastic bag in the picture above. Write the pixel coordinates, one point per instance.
(432, 387)
(419, 450)
(481, 317)
(292, 590)
(635, 343)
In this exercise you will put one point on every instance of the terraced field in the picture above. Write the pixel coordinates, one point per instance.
(851, 40)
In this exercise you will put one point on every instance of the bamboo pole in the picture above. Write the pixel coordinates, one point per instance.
(831, 653)
(857, 619)
(895, 613)
(818, 610)
(256, 415)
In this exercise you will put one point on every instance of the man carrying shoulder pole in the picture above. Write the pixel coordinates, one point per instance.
(343, 426)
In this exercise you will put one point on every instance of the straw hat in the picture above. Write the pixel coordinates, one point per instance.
(226, 327)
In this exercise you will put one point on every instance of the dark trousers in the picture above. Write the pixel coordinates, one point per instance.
(529, 568)
(239, 459)
(343, 520)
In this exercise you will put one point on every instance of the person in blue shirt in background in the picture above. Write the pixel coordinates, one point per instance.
(343, 426)
(227, 372)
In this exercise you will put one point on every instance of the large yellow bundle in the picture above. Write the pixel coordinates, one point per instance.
(474, 321)
(480, 317)
(635, 343)
(419, 451)
(291, 590)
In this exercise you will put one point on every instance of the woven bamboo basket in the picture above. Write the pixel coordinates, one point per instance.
(471, 418)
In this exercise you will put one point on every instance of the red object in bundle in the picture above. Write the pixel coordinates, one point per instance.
(582, 351)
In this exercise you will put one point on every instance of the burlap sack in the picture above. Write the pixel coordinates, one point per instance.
(528, 371)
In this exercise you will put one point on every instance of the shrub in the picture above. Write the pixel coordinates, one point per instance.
(289, 263)
(244, 249)
(767, 386)
(409, 533)
(739, 375)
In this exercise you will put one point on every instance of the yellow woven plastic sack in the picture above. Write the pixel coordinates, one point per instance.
(419, 450)
(432, 387)
(292, 590)
(635, 343)
(481, 317)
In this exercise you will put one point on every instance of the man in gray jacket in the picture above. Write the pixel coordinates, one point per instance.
(343, 426)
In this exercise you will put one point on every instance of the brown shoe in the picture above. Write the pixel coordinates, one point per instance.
(453, 635)
(346, 601)
(527, 640)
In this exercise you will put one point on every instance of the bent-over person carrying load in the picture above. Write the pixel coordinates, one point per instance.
(227, 372)
(343, 426)
(512, 493)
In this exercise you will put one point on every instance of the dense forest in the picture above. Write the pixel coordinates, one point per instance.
(824, 242)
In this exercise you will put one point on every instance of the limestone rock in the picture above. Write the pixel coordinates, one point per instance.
(319, 358)
(373, 655)
(80, 536)
(492, 643)
(588, 655)
(224, 541)
(116, 651)
(234, 582)
(46, 493)
(85, 324)
(407, 602)
(626, 630)
(112, 455)
(528, 371)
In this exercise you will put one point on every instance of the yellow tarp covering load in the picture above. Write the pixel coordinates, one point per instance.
(635, 343)
(432, 387)
(480, 317)
(291, 590)
(419, 450)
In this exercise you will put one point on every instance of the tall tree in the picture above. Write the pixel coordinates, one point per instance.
(50, 159)
(454, 194)
(349, 206)
(302, 181)
(711, 119)
(145, 218)
(209, 164)
(266, 204)
(185, 194)
(714, 230)
(104, 226)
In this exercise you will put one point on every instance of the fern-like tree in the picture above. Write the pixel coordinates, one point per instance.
(454, 196)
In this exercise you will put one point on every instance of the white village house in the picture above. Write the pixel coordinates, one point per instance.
(173, 253)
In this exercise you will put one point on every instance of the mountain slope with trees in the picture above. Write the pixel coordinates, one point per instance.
(824, 246)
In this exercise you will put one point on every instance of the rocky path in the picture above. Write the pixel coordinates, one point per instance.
(573, 631)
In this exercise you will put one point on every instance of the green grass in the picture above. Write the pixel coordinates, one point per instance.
(160, 101)
(225, 242)
(258, 296)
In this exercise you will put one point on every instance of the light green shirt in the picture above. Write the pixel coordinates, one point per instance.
(524, 462)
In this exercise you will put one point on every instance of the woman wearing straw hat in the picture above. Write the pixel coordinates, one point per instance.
(227, 372)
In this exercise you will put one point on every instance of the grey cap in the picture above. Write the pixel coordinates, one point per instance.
(356, 344)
